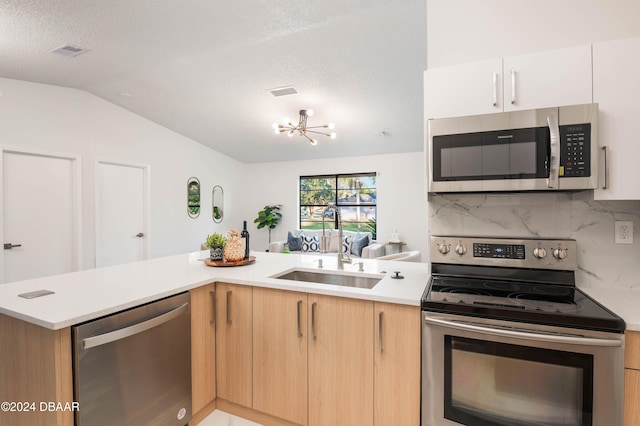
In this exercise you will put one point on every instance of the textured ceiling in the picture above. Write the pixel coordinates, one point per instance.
(203, 68)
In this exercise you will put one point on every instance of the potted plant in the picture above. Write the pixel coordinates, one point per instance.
(216, 243)
(269, 216)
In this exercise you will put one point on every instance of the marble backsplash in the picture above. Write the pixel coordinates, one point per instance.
(601, 262)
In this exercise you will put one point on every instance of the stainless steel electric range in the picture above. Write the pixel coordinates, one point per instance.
(508, 338)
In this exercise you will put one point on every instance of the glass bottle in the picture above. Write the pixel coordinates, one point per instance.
(245, 234)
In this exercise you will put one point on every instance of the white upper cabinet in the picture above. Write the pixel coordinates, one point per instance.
(546, 79)
(616, 85)
(460, 90)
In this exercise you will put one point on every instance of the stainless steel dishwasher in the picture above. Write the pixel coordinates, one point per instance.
(134, 367)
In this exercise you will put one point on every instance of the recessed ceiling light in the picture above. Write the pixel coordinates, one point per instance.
(68, 50)
(283, 91)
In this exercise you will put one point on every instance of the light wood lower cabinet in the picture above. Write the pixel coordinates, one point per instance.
(632, 379)
(280, 354)
(340, 361)
(234, 343)
(203, 347)
(397, 365)
(35, 366)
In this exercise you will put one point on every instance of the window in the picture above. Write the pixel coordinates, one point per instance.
(354, 194)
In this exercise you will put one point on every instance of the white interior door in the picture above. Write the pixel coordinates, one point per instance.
(120, 213)
(40, 220)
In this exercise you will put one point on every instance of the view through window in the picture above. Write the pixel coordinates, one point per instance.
(354, 194)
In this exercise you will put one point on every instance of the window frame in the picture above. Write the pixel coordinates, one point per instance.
(336, 189)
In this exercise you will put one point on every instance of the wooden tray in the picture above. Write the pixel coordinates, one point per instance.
(248, 261)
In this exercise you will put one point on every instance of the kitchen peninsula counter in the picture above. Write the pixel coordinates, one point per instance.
(93, 293)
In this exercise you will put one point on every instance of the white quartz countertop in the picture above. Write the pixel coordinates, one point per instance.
(93, 293)
(624, 302)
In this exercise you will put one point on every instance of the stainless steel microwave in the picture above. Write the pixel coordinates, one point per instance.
(546, 149)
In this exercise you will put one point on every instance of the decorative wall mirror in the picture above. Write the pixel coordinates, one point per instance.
(193, 197)
(217, 201)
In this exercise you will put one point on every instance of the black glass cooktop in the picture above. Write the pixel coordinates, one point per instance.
(559, 304)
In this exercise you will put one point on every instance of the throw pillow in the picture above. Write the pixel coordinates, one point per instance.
(294, 242)
(358, 244)
(346, 244)
(310, 243)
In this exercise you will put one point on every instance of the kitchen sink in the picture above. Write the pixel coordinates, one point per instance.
(347, 280)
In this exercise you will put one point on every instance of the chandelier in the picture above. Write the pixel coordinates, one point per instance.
(302, 127)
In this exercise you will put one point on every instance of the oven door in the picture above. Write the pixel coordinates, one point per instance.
(487, 373)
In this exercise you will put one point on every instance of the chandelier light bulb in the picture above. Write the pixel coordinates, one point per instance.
(303, 128)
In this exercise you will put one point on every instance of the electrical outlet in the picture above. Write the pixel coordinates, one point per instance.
(624, 232)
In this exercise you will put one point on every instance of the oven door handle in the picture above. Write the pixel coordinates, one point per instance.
(585, 341)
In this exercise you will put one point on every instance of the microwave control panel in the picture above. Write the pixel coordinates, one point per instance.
(575, 149)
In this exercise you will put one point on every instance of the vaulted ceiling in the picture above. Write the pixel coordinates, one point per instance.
(204, 68)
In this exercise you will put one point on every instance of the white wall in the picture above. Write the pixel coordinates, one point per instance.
(56, 119)
(460, 31)
(401, 203)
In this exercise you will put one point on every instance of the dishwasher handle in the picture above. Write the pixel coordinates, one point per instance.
(112, 336)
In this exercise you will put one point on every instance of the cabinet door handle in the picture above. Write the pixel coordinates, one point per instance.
(213, 308)
(495, 88)
(513, 87)
(299, 324)
(606, 170)
(313, 319)
(380, 332)
(229, 292)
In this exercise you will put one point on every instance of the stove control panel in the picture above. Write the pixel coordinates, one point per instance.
(518, 253)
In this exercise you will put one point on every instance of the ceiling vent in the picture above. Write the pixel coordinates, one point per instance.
(283, 91)
(68, 50)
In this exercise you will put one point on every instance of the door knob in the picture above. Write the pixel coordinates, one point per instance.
(9, 246)
(139, 235)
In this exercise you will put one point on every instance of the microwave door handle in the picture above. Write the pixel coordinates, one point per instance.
(554, 161)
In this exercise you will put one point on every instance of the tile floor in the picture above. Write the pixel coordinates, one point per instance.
(220, 418)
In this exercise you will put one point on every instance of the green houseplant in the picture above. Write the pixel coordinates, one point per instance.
(216, 243)
(372, 226)
(269, 216)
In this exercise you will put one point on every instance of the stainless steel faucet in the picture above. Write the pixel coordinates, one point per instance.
(342, 257)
